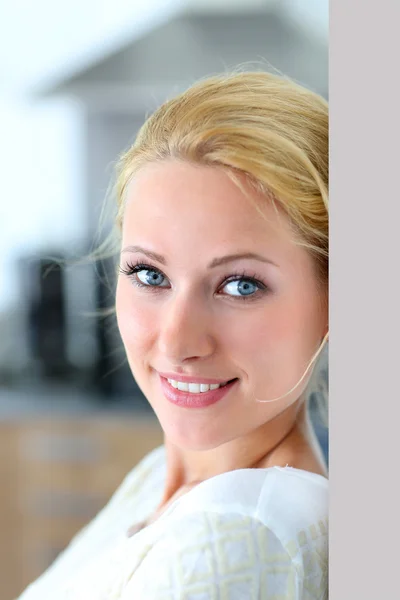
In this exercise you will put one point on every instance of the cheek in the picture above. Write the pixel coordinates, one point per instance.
(274, 344)
(267, 329)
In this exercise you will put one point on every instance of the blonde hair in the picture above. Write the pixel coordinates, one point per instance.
(263, 126)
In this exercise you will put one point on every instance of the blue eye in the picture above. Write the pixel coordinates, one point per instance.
(150, 277)
(144, 276)
(243, 287)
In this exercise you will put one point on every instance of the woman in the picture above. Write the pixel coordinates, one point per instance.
(222, 306)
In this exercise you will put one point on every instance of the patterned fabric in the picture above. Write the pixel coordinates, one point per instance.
(251, 534)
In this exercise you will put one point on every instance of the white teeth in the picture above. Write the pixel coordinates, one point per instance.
(194, 388)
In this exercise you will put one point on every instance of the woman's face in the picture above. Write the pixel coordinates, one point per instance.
(257, 318)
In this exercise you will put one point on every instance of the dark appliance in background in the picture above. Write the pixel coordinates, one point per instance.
(48, 289)
(46, 318)
(103, 372)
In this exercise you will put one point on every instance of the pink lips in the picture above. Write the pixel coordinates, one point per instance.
(189, 400)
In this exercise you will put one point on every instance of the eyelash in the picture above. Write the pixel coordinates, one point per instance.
(131, 269)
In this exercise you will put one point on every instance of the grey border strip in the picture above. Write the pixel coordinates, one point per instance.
(364, 300)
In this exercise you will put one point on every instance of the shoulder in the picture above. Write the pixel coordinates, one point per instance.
(252, 535)
(283, 499)
(288, 503)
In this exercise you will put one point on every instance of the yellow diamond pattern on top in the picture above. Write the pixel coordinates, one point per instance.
(210, 556)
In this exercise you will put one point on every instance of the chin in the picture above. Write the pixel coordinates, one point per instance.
(193, 436)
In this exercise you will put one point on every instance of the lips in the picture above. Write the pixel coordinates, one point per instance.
(188, 399)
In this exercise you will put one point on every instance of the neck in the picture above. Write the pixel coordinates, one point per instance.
(276, 443)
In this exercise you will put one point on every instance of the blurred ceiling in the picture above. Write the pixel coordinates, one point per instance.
(48, 47)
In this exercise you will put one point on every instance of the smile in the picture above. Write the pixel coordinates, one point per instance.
(195, 395)
(195, 388)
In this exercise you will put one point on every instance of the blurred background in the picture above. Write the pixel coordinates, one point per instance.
(77, 80)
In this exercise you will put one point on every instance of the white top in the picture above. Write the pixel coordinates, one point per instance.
(249, 534)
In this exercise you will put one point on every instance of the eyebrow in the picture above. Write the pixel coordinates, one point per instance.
(216, 262)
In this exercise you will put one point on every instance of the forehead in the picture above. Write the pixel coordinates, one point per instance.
(193, 201)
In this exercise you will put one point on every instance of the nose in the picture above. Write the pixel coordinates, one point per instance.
(186, 330)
